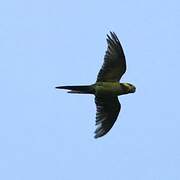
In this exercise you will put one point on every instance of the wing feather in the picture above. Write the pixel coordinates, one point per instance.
(107, 112)
(114, 65)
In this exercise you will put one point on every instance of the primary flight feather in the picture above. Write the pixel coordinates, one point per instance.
(107, 87)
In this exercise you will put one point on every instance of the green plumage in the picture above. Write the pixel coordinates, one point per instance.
(107, 87)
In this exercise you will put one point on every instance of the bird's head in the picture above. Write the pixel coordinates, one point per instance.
(130, 88)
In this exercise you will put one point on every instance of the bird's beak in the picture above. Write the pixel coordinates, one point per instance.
(133, 89)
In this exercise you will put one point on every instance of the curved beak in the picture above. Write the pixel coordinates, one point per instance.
(133, 89)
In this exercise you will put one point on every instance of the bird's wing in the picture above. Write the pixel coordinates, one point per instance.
(114, 65)
(107, 110)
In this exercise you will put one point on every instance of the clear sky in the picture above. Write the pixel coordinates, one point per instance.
(47, 133)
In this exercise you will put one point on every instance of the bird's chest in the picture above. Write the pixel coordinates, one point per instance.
(108, 89)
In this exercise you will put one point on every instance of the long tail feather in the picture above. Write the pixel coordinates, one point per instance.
(78, 89)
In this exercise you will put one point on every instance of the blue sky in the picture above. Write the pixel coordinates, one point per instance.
(48, 134)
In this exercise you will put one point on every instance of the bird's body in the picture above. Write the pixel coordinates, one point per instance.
(111, 88)
(107, 87)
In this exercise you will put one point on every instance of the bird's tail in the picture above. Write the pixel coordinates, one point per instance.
(78, 89)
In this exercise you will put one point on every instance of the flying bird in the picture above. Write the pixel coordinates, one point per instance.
(107, 87)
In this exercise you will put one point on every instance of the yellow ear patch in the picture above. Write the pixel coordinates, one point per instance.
(127, 85)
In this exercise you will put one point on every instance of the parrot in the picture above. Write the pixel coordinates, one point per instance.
(107, 87)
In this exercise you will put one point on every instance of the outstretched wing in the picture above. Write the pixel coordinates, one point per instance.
(107, 112)
(114, 65)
